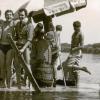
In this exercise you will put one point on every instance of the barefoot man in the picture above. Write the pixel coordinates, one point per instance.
(71, 65)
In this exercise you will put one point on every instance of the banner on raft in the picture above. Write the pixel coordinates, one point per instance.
(64, 7)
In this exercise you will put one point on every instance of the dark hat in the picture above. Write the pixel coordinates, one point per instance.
(59, 27)
(76, 24)
(40, 25)
(51, 26)
(31, 14)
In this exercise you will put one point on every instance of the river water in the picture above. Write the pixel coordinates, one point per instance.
(92, 62)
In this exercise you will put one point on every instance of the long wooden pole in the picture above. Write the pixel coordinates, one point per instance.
(25, 67)
(62, 70)
(60, 59)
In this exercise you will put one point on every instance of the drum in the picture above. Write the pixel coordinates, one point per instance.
(43, 74)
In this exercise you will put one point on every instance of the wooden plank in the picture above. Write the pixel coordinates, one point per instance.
(25, 67)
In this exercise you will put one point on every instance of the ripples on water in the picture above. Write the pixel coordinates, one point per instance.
(49, 96)
(15, 96)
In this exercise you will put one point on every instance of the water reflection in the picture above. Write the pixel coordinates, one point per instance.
(56, 96)
(38, 96)
(15, 95)
(72, 95)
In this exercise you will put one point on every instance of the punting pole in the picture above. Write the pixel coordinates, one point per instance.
(29, 74)
(62, 70)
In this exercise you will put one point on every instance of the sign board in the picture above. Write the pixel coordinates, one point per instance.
(78, 3)
(57, 8)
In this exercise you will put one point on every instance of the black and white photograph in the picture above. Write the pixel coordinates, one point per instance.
(49, 50)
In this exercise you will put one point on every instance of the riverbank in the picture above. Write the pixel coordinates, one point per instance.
(90, 48)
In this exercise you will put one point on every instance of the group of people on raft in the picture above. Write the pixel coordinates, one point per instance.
(39, 48)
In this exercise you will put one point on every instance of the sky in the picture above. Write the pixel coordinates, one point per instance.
(88, 16)
(90, 19)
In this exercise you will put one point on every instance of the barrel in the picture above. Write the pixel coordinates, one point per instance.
(72, 78)
(43, 74)
(71, 75)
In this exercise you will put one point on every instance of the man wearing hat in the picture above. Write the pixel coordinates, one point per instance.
(41, 57)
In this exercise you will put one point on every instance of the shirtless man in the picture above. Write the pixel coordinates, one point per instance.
(6, 53)
(24, 33)
(71, 65)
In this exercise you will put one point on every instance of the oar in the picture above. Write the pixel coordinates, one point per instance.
(60, 58)
(62, 70)
(30, 76)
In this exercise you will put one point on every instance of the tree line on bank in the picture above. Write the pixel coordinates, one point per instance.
(90, 48)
